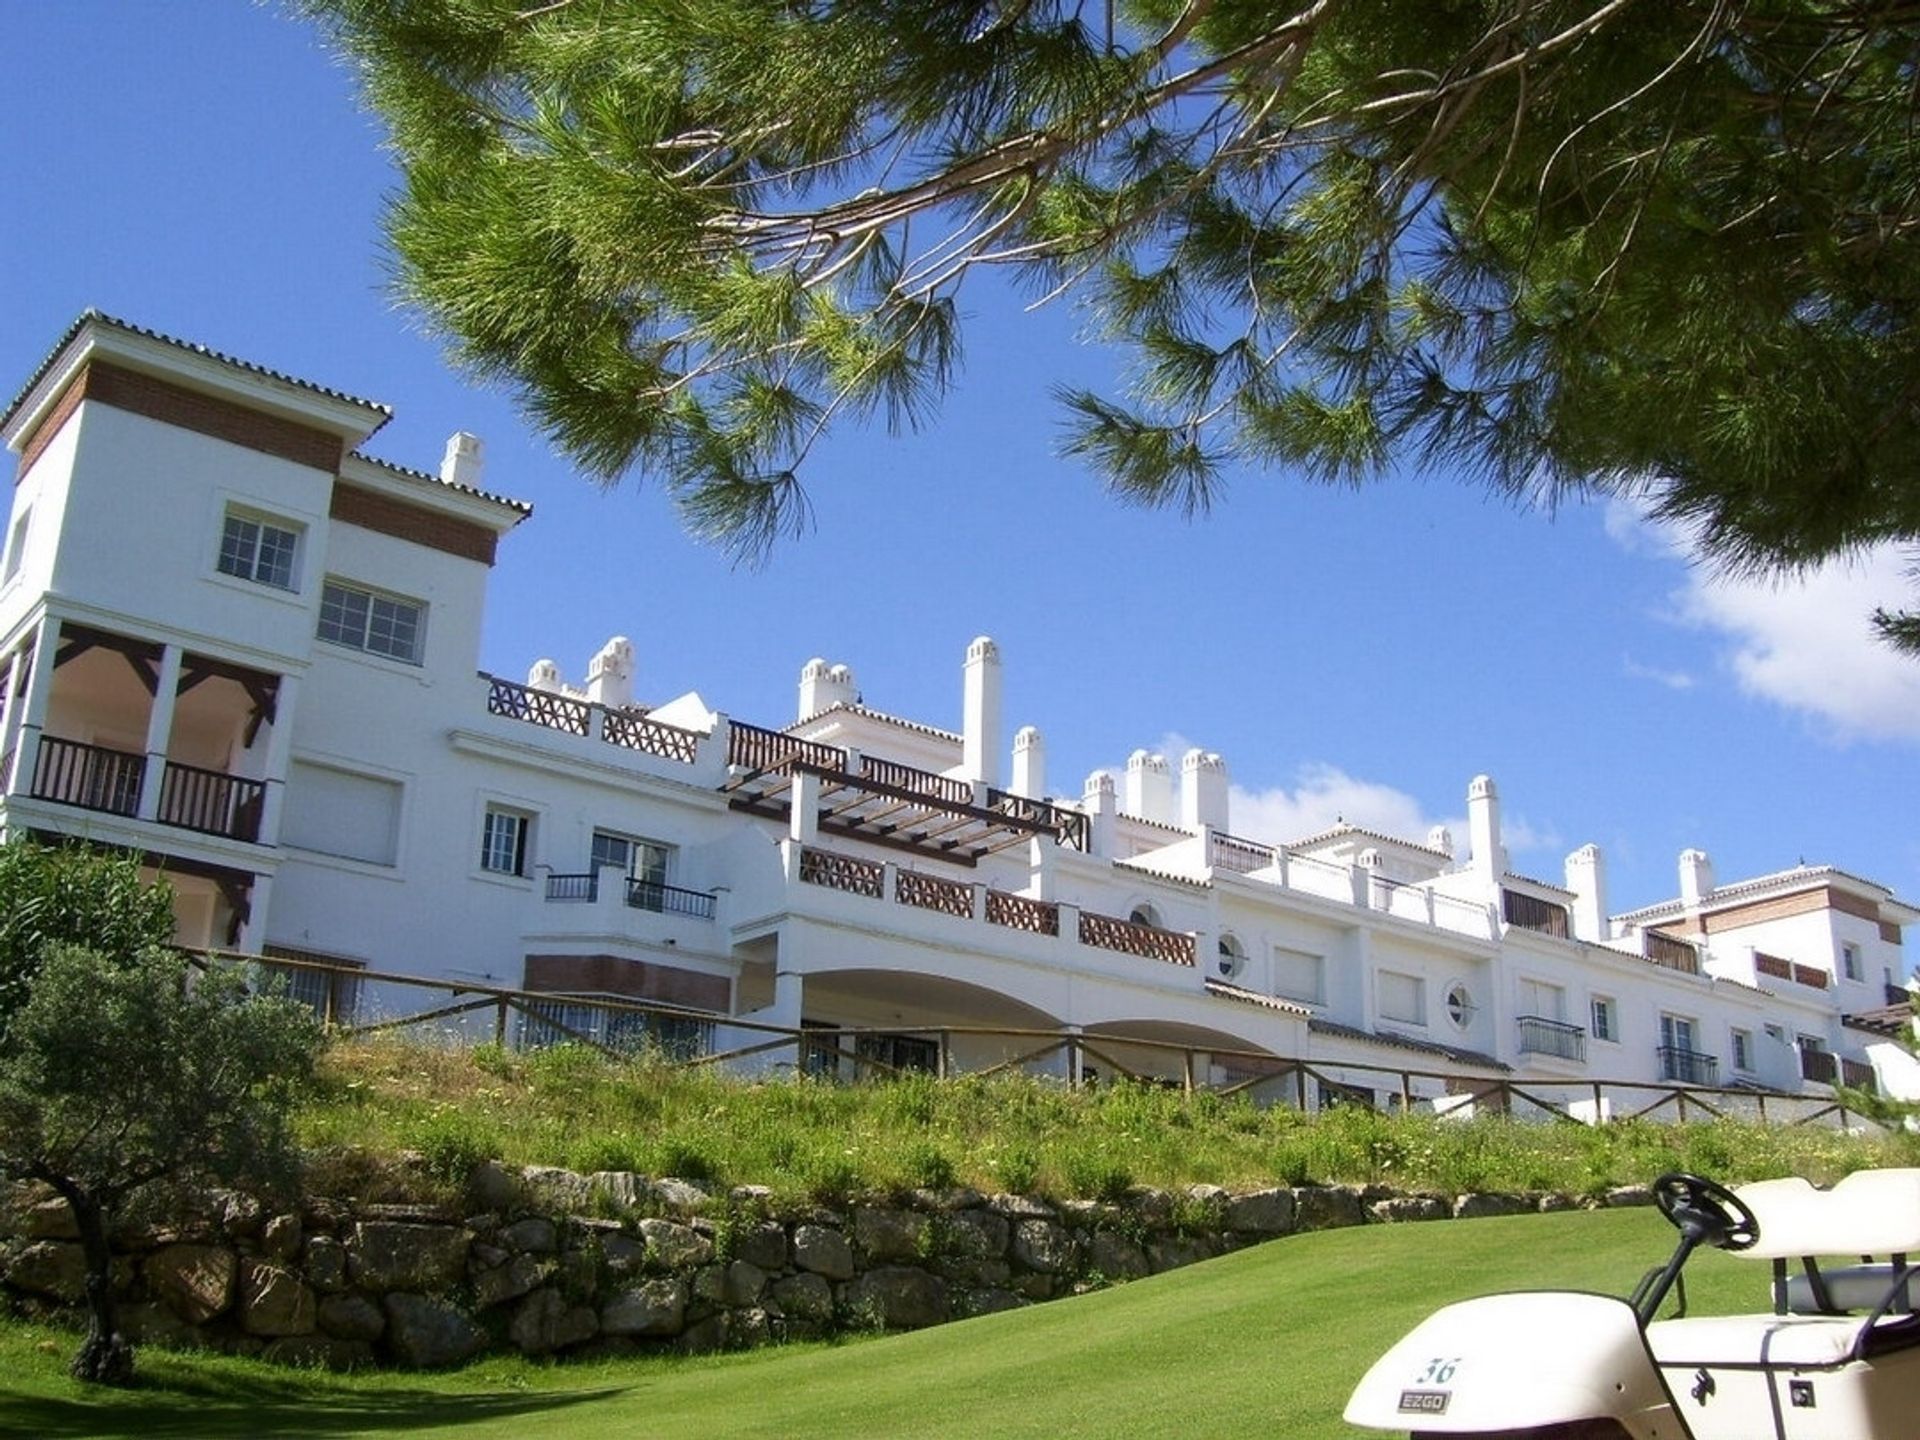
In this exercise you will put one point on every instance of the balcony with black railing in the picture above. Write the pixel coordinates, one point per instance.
(1688, 1067)
(1541, 1036)
(211, 802)
(91, 777)
(95, 777)
(636, 893)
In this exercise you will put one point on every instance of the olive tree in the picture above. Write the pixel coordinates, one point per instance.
(125, 1072)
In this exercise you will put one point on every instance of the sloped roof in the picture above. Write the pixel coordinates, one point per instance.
(1459, 1055)
(427, 475)
(97, 317)
(1800, 877)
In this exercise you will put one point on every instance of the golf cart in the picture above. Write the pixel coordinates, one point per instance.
(1836, 1358)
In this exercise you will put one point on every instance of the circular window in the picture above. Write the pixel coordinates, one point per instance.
(1460, 1006)
(1233, 958)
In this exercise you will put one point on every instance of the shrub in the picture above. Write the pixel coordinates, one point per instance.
(1017, 1168)
(926, 1166)
(617, 1151)
(684, 1157)
(1095, 1175)
(453, 1142)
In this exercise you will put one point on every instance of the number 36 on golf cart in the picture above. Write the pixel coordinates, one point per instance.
(1835, 1357)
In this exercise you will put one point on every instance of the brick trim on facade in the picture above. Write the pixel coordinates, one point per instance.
(50, 426)
(388, 516)
(156, 399)
(1717, 922)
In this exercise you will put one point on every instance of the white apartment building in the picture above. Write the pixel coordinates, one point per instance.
(234, 644)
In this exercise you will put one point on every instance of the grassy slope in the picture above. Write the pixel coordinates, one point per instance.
(1268, 1341)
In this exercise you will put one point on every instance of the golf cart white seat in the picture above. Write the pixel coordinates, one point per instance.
(1795, 1341)
(1849, 1287)
(1869, 1213)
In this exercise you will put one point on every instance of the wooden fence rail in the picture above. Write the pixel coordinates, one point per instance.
(1256, 1073)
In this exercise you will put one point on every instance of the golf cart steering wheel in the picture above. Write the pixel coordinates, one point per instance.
(1706, 1211)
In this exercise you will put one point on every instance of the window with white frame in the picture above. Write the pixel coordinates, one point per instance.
(504, 837)
(1743, 1050)
(1606, 1022)
(644, 862)
(379, 624)
(1402, 997)
(17, 544)
(255, 548)
(1851, 964)
(1542, 1000)
(1232, 959)
(1298, 975)
(341, 812)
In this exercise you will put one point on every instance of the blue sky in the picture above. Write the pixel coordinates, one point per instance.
(207, 170)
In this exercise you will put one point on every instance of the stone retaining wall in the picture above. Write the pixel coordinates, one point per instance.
(546, 1261)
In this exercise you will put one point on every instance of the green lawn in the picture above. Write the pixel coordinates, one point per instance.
(1269, 1341)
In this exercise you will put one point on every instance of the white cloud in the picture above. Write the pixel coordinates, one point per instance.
(1804, 643)
(1672, 679)
(1808, 643)
(1324, 795)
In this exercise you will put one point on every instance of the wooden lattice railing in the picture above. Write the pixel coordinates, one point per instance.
(932, 892)
(632, 730)
(842, 872)
(1149, 942)
(539, 707)
(1018, 912)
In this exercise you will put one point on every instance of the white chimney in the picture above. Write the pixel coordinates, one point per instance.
(610, 674)
(1696, 878)
(1149, 787)
(823, 686)
(1587, 879)
(1097, 799)
(980, 727)
(1029, 763)
(545, 675)
(1483, 827)
(1203, 791)
(465, 461)
(1440, 838)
